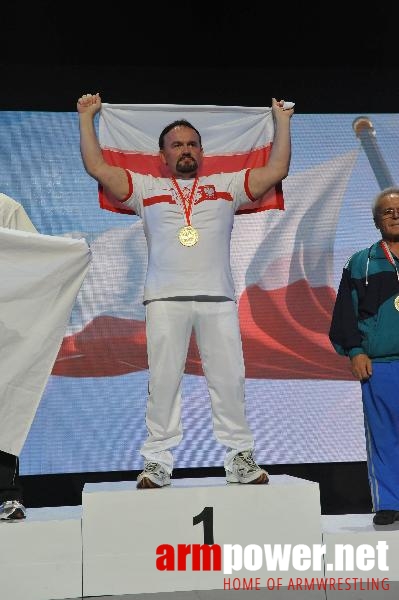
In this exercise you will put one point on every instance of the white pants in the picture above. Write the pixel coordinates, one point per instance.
(169, 324)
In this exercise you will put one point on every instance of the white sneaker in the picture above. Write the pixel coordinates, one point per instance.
(12, 511)
(245, 470)
(153, 476)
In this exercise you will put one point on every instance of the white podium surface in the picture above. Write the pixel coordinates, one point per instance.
(41, 557)
(123, 529)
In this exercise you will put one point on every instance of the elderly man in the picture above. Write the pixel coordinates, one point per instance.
(365, 327)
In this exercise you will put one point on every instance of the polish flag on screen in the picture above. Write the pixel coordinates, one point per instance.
(233, 138)
(282, 264)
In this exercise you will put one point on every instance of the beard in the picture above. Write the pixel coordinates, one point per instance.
(186, 166)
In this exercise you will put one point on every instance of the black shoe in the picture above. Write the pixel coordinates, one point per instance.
(385, 517)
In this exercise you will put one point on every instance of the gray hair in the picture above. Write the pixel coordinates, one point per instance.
(385, 192)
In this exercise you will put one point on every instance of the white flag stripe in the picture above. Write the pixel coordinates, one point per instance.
(225, 130)
(276, 248)
(114, 285)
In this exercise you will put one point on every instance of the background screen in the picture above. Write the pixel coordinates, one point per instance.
(302, 402)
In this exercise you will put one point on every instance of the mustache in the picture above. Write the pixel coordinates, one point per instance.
(186, 167)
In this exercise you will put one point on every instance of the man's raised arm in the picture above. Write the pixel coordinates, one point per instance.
(113, 179)
(262, 179)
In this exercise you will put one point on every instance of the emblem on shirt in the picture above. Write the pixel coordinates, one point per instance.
(208, 191)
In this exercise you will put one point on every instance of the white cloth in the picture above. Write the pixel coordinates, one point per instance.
(40, 277)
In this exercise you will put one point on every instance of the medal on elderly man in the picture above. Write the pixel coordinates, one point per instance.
(396, 303)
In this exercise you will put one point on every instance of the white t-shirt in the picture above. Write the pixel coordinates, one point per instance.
(13, 215)
(199, 270)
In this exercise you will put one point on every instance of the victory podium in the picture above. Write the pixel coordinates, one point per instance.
(151, 541)
(197, 539)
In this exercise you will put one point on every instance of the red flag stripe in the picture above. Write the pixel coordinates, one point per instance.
(151, 165)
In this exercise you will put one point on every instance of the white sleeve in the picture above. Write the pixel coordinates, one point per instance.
(14, 216)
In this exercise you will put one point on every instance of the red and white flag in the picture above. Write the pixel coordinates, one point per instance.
(233, 138)
(282, 261)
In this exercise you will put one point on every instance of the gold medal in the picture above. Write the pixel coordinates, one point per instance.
(396, 303)
(188, 236)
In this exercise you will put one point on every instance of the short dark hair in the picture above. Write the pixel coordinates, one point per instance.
(178, 123)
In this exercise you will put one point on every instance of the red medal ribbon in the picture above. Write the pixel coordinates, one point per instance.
(186, 203)
(389, 257)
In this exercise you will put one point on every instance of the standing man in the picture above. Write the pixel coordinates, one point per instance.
(12, 216)
(365, 327)
(188, 221)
